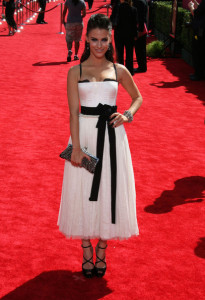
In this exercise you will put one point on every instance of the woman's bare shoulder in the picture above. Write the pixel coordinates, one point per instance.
(74, 72)
(122, 71)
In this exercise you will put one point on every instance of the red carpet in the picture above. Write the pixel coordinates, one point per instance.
(167, 260)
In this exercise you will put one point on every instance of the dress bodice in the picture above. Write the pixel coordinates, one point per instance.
(91, 93)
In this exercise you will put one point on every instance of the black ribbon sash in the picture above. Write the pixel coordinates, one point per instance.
(104, 111)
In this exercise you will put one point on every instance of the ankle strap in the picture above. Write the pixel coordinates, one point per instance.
(86, 246)
(101, 247)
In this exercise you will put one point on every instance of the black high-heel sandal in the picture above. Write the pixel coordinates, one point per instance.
(100, 272)
(89, 273)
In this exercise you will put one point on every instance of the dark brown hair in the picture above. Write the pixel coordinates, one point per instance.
(102, 22)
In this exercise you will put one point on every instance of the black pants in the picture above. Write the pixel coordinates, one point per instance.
(198, 52)
(9, 13)
(140, 51)
(90, 3)
(42, 4)
(122, 42)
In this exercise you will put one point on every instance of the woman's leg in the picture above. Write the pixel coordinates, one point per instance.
(87, 254)
(100, 264)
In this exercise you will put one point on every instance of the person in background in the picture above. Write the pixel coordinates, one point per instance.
(40, 19)
(198, 44)
(74, 26)
(125, 32)
(140, 42)
(114, 15)
(9, 14)
(90, 4)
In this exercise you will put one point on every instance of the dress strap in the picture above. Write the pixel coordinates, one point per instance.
(80, 70)
(115, 70)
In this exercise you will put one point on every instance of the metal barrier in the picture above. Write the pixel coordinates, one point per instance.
(61, 19)
(2, 16)
(25, 11)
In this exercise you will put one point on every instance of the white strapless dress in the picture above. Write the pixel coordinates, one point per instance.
(84, 219)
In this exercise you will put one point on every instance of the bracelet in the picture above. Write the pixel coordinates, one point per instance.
(128, 115)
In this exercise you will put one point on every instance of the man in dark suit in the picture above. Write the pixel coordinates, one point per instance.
(125, 31)
(198, 45)
(40, 19)
(140, 42)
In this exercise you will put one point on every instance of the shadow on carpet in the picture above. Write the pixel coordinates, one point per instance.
(200, 248)
(186, 190)
(56, 63)
(60, 284)
(180, 69)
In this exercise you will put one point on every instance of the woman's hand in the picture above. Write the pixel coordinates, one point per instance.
(77, 157)
(117, 119)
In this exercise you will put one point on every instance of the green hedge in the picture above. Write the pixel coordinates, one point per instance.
(162, 20)
(155, 49)
(187, 33)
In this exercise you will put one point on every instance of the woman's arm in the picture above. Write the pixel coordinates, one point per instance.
(125, 78)
(73, 102)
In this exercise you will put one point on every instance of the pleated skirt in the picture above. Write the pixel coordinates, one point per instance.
(83, 219)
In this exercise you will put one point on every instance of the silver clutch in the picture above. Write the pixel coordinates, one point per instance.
(89, 165)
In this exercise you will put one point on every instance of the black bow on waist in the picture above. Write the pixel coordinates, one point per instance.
(104, 112)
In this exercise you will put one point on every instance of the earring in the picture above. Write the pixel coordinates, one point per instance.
(88, 46)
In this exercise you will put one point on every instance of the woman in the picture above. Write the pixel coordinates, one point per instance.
(100, 206)
(74, 26)
(125, 32)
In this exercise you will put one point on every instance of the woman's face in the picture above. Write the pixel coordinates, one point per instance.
(99, 40)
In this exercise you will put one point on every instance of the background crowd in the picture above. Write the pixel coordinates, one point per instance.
(130, 21)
